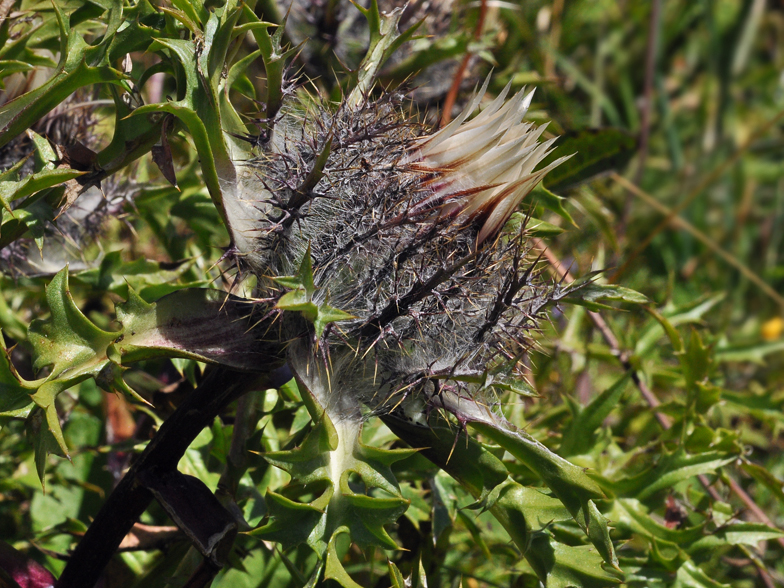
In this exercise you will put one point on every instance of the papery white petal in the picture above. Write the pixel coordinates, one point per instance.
(485, 166)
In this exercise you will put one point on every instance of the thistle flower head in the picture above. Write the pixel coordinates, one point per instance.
(398, 227)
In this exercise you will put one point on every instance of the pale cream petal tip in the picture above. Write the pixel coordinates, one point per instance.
(485, 166)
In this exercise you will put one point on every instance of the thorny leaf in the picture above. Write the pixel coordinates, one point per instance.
(300, 298)
(568, 482)
(384, 40)
(544, 197)
(274, 56)
(735, 534)
(580, 432)
(670, 469)
(201, 324)
(47, 178)
(73, 72)
(15, 391)
(524, 512)
(328, 458)
(566, 566)
(68, 341)
(690, 576)
(206, 325)
(334, 570)
(590, 294)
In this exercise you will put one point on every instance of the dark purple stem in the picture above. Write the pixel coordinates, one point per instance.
(130, 499)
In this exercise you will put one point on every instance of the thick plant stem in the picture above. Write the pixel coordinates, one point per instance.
(130, 499)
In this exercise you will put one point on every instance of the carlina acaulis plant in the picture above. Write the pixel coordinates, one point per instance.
(394, 279)
(402, 291)
(397, 284)
(322, 309)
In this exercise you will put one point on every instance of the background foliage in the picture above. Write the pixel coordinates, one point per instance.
(674, 109)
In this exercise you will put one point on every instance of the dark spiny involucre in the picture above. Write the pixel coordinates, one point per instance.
(404, 230)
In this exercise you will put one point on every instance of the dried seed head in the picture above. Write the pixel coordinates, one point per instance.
(324, 27)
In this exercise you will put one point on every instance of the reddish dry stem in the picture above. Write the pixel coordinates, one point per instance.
(451, 97)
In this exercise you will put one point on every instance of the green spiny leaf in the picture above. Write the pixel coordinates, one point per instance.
(116, 276)
(12, 66)
(734, 534)
(334, 570)
(291, 522)
(384, 40)
(195, 10)
(308, 463)
(766, 478)
(695, 361)
(141, 22)
(12, 174)
(219, 48)
(751, 352)
(68, 341)
(471, 464)
(300, 299)
(418, 577)
(110, 378)
(539, 228)
(671, 468)
(580, 431)
(72, 73)
(328, 456)
(132, 138)
(53, 423)
(394, 574)
(690, 576)
(590, 295)
(669, 329)
(553, 202)
(46, 178)
(43, 441)
(14, 391)
(569, 483)
(629, 513)
(274, 57)
(365, 516)
(206, 325)
(199, 111)
(520, 510)
(45, 157)
(568, 567)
